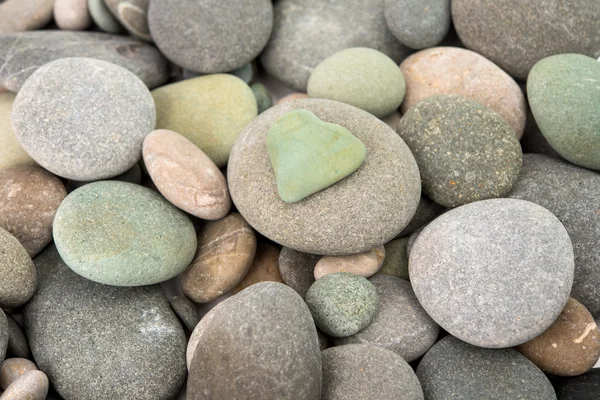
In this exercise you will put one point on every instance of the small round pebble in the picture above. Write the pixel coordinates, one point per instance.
(11, 152)
(396, 259)
(185, 310)
(18, 278)
(297, 269)
(265, 267)
(12, 369)
(103, 18)
(17, 342)
(363, 264)
(342, 304)
(72, 15)
(32, 385)
(262, 96)
(417, 23)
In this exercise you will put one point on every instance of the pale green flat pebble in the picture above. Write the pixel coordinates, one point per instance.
(103, 18)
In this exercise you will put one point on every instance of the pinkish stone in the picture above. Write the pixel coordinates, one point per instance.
(363, 264)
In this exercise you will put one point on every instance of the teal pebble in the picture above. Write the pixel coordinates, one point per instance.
(262, 96)
(245, 72)
(102, 17)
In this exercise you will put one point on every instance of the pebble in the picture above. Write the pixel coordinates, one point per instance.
(392, 120)
(210, 111)
(12, 369)
(456, 370)
(198, 332)
(246, 72)
(380, 207)
(451, 70)
(103, 18)
(17, 342)
(416, 23)
(3, 335)
(77, 329)
(265, 341)
(362, 371)
(133, 15)
(185, 175)
(501, 271)
(24, 15)
(32, 385)
(306, 32)
(29, 198)
(347, 76)
(41, 47)
(496, 30)
(342, 304)
(185, 310)
(72, 14)
(292, 96)
(119, 113)
(18, 277)
(132, 175)
(297, 269)
(567, 84)
(211, 36)
(363, 264)
(11, 152)
(265, 267)
(262, 96)
(396, 259)
(465, 151)
(584, 387)
(226, 249)
(427, 211)
(105, 232)
(571, 346)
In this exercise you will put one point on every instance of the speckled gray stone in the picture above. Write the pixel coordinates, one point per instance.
(3, 335)
(17, 342)
(427, 211)
(103, 342)
(259, 344)
(23, 53)
(342, 304)
(365, 210)
(417, 23)
(494, 273)
(516, 34)
(572, 194)
(400, 323)
(465, 151)
(18, 278)
(454, 370)
(299, 25)
(211, 35)
(83, 134)
(396, 259)
(362, 371)
(185, 310)
(297, 269)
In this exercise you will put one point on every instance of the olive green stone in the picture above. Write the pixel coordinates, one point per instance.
(564, 95)
(263, 97)
(309, 155)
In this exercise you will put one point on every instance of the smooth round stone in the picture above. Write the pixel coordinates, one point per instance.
(495, 30)
(17, 342)
(11, 152)
(24, 15)
(451, 70)
(264, 268)
(265, 341)
(584, 387)
(29, 198)
(297, 269)
(364, 264)
(119, 113)
(347, 76)
(427, 211)
(494, 273)
(72, 14)
(456, 370)
(358, 213)
(292, 96)
(226, 249)
(103, 18)
(32, 385)
(292, 53)
(210, 111)
(211, 36)
(416, 23)
(571, 346)
(567, 85)
(396, 259)
(133, 15)
(12, 369)
(185, 175)
(185, 310)
(135, 326)
(262, 96)
(18, 279)
(400, 324)
(3, 335)
(570, 193)
(465, 151)
(342, 304)
(361, 371)
(105, 232)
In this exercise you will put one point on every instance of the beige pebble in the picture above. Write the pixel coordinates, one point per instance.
(363, 264)
(32, 385)
(25, 15)
(12, 368)
(265, 267)
(11, 152)
(292, 96)
(72, 15)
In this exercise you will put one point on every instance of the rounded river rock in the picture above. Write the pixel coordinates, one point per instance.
(18, 278)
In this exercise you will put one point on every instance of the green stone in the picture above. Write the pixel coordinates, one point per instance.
(396, 259)
(263, 97)
(309, 155)
(564, 95)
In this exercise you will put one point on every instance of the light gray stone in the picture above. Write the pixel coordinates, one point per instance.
(417, 23)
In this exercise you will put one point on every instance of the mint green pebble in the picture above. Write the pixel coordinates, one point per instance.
(309, 155)
(122, 234)
(362, 77)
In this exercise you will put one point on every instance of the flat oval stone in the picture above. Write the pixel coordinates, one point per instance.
(103, 18)
(451, 70)
(11, 151)
(360, 212)
(185, 175)
(72, 14)
(584, 387)
(108, 141)
(347, 76)
(41, 47)
(17, 342)
(133, 15)
(297, 269)
(457, 370)
(210, 111)
(364, 264)
(494, 273)
(210, 35)
(185, 310)
(265, 341)
(32, 385)
(105, 232)
(361, 371)
(29, 198)
(226, 249)
(3, 335)
(18, 278)
(417, 23)
(264, 268)
(24, 15)
(495, 30)
(567, 84)
(465, 151)
(396, 259)
(12, 369)
(133, 325)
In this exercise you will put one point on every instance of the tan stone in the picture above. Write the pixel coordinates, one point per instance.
(363, 264)
(24, 15)
(292, 96)
(32, 385)
(72, 15)
(12, 369)
(571, 346)
(185, 175)
(225, 252)
(451, 70)
(11, 152)
(265, 267)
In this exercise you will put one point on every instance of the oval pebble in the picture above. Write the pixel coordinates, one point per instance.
(103, 18)
(133, 15)
(18, 278)
(185, 310)
(297, 269)
(265, 267)
(363, 264)
(72, 14)
(11, 151)
(17, 342)
(417, 23)
(32, 385)
(12, 369)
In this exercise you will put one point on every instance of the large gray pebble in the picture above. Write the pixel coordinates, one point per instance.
(418, 23)
(297, 269)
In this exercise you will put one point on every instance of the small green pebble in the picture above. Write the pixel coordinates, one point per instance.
(263, 97)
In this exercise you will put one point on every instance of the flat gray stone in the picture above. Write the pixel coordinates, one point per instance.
(185, 310)
(3, 335)
(297, 269)
(17, 342)
(417, 23)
